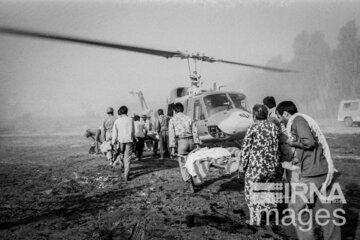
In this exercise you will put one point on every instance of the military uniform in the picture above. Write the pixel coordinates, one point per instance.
(183, 133)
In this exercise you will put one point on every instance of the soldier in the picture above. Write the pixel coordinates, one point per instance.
(163, 131)
(107, 127)
(108, 124)
(183, 133)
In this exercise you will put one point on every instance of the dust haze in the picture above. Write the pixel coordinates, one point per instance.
(54, 87)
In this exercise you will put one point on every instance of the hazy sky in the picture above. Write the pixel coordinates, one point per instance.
(49, 77)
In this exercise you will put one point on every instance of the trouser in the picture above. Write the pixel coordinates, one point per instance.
(185, 146)
(155, 146)
(256, 207)
(124, 152)
(305, 212)
(163, 140)
(139, 147)
(109, 155)
(96, 140)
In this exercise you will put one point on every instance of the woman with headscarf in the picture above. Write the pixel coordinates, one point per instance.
(259, 160)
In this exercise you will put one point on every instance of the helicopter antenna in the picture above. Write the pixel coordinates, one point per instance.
(188, 61)
(195, 65)
(198, 72)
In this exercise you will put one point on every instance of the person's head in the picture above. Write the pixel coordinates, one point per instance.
(123, 110)
(260, 112)
(144, 117)
(160, 112)
(87, 133)
(208, 102)
(285, 110)
(136, 118)
(110, 111)
(178, 107)
(269, 102)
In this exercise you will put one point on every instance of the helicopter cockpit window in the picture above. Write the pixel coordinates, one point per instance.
(239, 101)
(170, 110)
(217, 103)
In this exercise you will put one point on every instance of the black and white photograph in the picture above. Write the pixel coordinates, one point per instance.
(179, 119)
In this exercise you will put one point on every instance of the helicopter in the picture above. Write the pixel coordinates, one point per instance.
(221, 116)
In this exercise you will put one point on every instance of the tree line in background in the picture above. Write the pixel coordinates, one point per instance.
(324, 76)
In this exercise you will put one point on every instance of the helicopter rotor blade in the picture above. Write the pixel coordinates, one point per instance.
(257, 66)
(211, 60)
(26, 33)
(156, 52)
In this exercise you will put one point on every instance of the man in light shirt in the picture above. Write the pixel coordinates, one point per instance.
(140, 133)
(123, 134)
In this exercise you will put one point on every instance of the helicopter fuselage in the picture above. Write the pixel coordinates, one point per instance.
(220, 116)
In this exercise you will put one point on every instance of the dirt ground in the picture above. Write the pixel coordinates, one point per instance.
(52, 189)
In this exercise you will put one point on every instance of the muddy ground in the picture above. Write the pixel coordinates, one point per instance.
(52, 189)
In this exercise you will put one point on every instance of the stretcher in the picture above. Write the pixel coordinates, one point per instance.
(199, 162)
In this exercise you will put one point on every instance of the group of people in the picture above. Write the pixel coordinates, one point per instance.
(281, 145)
(284, 145)
(101, 134)
(118, 138)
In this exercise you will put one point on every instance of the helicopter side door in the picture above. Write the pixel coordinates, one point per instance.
(200, 118)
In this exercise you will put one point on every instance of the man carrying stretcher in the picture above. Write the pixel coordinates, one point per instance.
(183, 134)
(195, 163)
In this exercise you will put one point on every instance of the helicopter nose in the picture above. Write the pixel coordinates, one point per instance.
(236, 123)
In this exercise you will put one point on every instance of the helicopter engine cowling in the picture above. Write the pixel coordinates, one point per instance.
(233, 122)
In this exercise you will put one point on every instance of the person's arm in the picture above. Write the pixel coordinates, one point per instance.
(133, 130)
(150, 126)
(103, 130)
(158, 125)
(146, 124)
(245, 149)
(304, 137)
(145, 129)
(98, 134)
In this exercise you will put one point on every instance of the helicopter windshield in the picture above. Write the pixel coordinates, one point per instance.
(216, 103)
(239, 101)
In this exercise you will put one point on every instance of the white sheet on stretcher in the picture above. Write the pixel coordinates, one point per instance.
(204, 153)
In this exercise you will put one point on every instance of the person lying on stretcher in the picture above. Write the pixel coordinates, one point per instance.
(199, 161)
